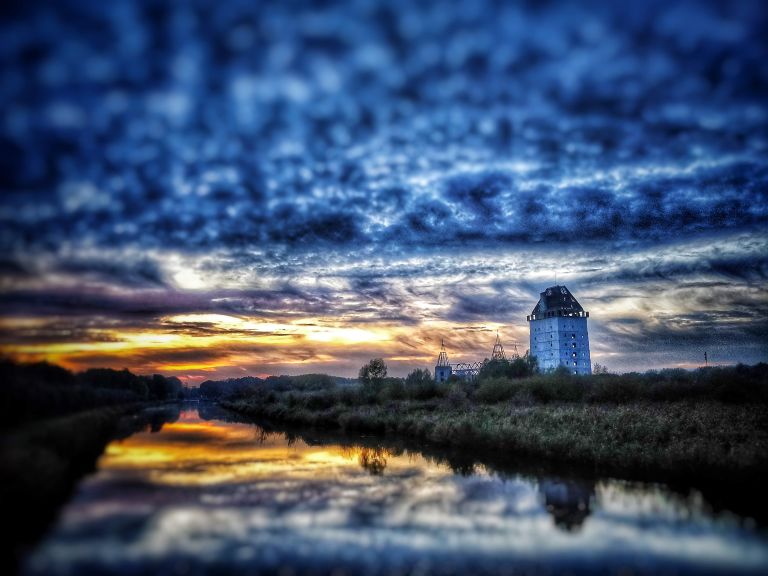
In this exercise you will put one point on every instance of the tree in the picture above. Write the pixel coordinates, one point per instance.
(162, 388)
(497, 368)
(503, 368)
(373, 373)
(599, 369)
(532, 362)
(114, 380)
(418, 377)
(421, 385)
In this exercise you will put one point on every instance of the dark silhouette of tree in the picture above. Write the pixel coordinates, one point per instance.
(162, 388)
(515, 368)
(599, 369)
(420, 385)
(115, 380)
(40, 390)
(418, 377)
(373, 373)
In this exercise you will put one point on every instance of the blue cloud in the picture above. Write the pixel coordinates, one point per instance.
(282, 135)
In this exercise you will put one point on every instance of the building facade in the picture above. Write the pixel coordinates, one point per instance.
(558, 332)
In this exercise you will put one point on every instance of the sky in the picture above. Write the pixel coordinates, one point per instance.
(212, 190)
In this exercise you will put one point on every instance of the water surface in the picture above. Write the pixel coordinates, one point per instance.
(196, 492)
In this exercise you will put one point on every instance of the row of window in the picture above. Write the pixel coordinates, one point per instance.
(574, 364)
(551, 344)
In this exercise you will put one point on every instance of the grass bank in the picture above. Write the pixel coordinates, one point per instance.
(41, 463)
(706, 423)
(678, 437)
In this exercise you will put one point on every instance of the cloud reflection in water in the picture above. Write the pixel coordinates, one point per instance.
(214, 495)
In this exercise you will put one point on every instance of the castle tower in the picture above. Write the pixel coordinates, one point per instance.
(558, 326)
(443, 370)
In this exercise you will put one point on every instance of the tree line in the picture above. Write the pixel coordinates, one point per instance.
(42, 390)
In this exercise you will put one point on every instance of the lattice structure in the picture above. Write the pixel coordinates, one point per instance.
(443, 369)
(468, 370)
(442, 358)
(498, 350)
(515, 353)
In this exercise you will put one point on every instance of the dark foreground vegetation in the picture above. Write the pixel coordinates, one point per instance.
(55, 425)
(704, 423)
(30, 392)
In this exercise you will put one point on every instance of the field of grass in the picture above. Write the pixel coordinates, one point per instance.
(674, 423)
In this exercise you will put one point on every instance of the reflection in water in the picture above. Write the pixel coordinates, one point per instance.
(568, 502)
(197, 492)
(373, 459)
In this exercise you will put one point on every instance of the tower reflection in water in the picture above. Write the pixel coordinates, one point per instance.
(569, 502)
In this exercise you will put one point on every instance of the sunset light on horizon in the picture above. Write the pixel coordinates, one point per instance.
(302, 188)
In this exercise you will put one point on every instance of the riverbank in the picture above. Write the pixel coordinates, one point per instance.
(725, 494)
(42, 462)
(699, 439)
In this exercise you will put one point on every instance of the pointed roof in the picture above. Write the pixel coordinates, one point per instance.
(442, 359)
(557, 298)
(498, 349)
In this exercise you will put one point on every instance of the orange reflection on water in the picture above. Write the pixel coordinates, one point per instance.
(193, 452)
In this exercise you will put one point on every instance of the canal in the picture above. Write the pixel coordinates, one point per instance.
(197, 492)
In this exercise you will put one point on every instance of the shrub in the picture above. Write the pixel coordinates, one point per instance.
(319, 401)
(392, 389)
(515, 368)
(420, 385)
(496, 390)
(456, 396)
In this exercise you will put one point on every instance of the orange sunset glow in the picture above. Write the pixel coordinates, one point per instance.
(199, 453)
(195, 346)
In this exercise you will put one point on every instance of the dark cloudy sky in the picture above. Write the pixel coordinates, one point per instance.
(213, 189)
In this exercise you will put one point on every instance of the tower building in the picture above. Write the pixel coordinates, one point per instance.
(558, 328)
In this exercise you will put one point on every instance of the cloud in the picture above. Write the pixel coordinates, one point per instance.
(412, 167)
(298, 157)
(138, 273)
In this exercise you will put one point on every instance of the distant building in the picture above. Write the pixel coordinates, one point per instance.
(466, 371)
(558, 327)
(443, 370)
